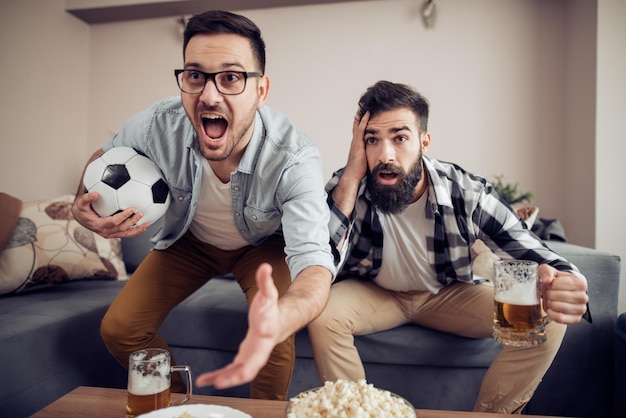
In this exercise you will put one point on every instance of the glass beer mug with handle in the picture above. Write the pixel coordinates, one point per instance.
(149, 380)
(518, 318)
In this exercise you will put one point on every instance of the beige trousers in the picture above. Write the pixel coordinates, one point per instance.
(357, 308)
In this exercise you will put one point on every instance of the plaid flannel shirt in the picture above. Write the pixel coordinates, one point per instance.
(462, 208)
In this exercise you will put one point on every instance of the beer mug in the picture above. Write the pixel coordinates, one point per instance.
(149, 379)
(517, 318)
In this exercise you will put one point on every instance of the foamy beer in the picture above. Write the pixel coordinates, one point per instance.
(149, 380)
(517, 317)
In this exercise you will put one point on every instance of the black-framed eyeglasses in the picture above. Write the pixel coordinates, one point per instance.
(226, 82)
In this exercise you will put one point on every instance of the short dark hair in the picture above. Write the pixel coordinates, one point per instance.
(218, 21)
(385, 95)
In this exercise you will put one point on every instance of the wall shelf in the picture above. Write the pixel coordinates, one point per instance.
(106, 11)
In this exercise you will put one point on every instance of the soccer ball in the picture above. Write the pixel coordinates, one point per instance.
(124, 178)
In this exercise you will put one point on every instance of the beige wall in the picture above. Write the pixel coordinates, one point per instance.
(496, 71)
(611, 133)
(44, 85)
(512, 86)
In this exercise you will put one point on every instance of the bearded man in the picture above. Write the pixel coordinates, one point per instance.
(403, 226)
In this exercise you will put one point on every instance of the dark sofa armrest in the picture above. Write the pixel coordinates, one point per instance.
(584, 343)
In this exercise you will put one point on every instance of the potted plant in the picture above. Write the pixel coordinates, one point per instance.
(519, 201)
(509, 192)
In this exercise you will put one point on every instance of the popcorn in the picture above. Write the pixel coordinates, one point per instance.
(343, 399)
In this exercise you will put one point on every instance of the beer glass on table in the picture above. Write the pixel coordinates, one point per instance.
(518, 317)
(149, 380)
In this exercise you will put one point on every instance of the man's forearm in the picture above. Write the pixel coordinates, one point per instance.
(304, 300)
(344, 195)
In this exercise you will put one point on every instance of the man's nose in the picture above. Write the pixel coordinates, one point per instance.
(387, 153)
(210, 94)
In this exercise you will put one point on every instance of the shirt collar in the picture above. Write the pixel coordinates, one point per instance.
(249, 158)
(436, 187)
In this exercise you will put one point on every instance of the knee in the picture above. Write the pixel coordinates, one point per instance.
(111, 329)
(328, 323)
(117, 330)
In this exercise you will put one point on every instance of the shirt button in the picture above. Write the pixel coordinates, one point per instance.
(254, 217)
(236, 188)
(181, 198)
(237, 214)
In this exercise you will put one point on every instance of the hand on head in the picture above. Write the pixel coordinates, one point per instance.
(357, 161)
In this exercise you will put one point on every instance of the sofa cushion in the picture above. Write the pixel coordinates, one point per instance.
(50, 343)
(48, 246)
(219, 308)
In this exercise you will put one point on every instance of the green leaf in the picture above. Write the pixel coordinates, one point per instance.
(508, 191)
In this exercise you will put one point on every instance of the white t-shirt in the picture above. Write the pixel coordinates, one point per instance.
(406, 266)
(213, 222)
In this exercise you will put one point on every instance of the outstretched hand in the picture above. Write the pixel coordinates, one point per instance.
(262, 336)
(120, 225)
(564, 295)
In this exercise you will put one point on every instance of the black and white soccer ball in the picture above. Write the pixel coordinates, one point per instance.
(125, 178)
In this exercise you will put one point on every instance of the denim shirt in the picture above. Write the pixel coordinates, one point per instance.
(278, 186)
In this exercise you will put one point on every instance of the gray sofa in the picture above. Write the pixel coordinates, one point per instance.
(50, 343)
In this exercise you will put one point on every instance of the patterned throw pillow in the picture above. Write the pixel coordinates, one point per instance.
(49, 246)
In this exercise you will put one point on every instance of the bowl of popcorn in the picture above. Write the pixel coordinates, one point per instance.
(350, 400)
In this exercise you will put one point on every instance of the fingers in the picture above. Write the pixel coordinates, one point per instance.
(234, 374)
(251, 357)
(263, 275)
(265, 282)
(360, 122)
(356, 166)
(119, 225)
(564, 296)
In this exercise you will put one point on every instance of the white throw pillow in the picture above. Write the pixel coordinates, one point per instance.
(49, 246)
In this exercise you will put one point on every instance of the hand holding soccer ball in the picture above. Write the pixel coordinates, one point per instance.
(124, 178)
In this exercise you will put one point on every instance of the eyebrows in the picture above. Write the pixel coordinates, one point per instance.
(225, 66)
(393, 130)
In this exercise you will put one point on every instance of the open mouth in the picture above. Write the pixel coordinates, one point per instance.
(214, 126)
(387, 175)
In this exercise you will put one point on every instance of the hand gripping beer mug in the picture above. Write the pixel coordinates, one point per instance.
(517, 318)
(149, 379)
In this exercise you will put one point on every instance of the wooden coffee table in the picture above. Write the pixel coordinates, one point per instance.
(86, 401)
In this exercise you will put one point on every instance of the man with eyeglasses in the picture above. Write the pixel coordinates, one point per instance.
(248, 199)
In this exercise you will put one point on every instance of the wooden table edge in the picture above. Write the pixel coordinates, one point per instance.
(86, 401)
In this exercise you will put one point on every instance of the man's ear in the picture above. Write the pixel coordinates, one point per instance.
(263, 90)
(425, 141)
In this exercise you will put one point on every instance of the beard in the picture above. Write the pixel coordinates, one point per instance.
(395, 198)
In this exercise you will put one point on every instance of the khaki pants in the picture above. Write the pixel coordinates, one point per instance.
(165, 278)
(357, 308)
